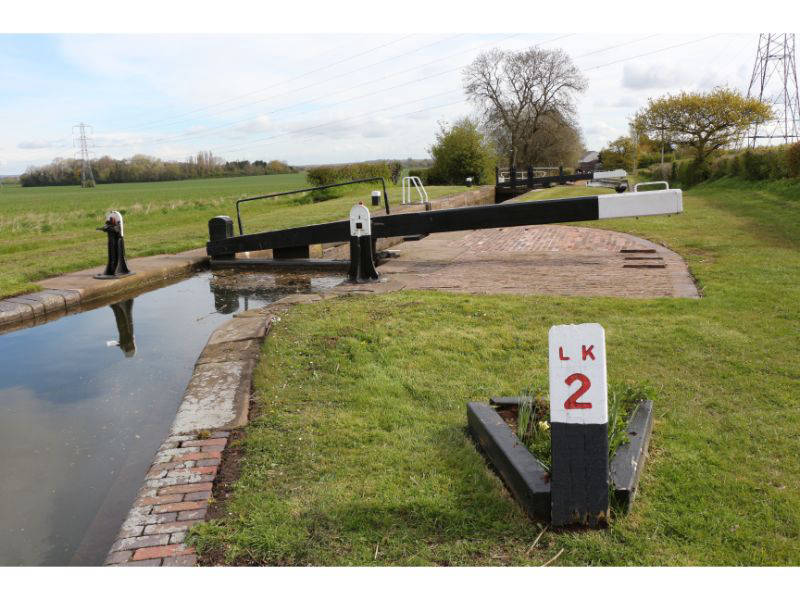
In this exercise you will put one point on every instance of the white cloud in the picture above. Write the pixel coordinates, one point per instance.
(260, 124)
(640, 76)
(40, 144)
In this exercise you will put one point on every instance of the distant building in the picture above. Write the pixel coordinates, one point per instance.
(590, 162)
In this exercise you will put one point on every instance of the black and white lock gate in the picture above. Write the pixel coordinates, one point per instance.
(223, 245)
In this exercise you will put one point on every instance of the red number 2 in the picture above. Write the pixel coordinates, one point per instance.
(572, 401)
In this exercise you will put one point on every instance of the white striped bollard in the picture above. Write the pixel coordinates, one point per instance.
(362, 263)
(578, 425)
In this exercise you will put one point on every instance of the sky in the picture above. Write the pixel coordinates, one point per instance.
(313, 98)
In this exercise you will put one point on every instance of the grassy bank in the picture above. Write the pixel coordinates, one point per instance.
(46, 231)
(359, 453)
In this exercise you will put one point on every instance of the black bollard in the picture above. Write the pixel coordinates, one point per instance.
(362, 263)
(116, 267)
(220, 228)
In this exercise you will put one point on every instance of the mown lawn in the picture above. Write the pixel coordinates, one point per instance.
(46, 231)
(359, 454)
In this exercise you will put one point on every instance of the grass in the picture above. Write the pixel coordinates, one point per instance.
(358, 454)
(46, 231)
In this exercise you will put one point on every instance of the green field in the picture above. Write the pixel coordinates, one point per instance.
(46, 231)
(359, 454)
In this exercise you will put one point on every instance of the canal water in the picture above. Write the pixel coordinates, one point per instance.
(86, 400)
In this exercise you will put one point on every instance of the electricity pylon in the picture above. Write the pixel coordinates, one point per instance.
(82, 140)
(774, 81)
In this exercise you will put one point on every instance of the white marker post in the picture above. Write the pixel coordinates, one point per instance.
(579, 425)
(362, 263)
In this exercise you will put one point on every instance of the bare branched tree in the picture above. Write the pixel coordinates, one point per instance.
(556, 141)
(516, 90)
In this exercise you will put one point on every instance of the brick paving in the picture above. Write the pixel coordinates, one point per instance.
(558, 260)
(174, 496)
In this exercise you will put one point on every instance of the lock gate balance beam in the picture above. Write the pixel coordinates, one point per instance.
(541, 212)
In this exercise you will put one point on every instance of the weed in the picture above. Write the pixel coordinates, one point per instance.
(533, 419)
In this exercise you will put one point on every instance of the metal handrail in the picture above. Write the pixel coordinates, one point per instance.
(319, 187)
(417, 182)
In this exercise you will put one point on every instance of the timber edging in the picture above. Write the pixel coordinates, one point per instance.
(628, 463)
(527, 478)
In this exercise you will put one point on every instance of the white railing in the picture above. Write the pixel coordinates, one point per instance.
(416, 182)
(615, 174)
(609, 178)
(505, 175)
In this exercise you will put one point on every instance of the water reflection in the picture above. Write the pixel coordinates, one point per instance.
(236, 290)
(123, 314)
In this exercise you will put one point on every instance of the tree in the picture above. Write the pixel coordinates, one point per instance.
(704, 122)
(461, 151)
(558, 141)
(618, 154)
(397, 169)
(517, 90)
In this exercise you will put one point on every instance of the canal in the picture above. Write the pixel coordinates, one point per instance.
(86, 400)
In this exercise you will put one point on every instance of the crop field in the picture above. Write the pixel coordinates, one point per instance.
(358, 452)
(46, 231)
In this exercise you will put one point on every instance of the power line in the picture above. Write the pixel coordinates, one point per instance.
(334, 122)
(188, 135)
(359, 97)
(652, 52)
(223, 126)
(262, 140)
(664, 49)
(647, 37)
(147, 125)
(192, 135)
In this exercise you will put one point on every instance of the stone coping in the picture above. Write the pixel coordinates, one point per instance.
(81, 291)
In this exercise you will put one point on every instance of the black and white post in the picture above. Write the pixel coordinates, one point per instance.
(579, 425)
(115, 229)
(362, 263)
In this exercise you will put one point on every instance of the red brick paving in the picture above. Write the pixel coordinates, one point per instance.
(545, 259)
(174, 497)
